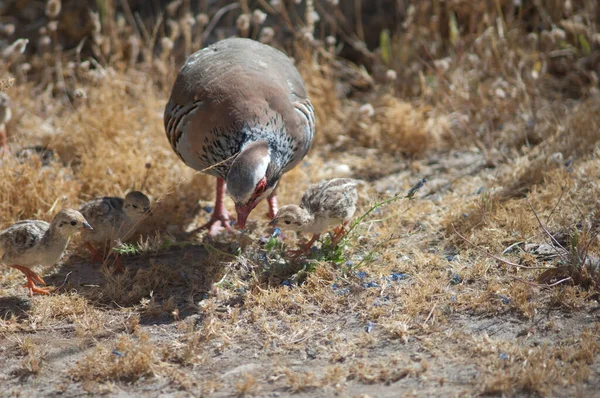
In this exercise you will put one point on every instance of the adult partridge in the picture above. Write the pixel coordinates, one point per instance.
(324, 205)
(239, 111)
(35, 242)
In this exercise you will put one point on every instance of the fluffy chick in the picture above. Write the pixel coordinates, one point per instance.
(35, 242)
(113, 219)
(5, 116)
(324, 205)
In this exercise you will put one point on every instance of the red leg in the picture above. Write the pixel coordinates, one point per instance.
(272, 200)
(32, 277)
(118, 267)
(96, 257)
(220, 216)
(339, 233)
(306, 247)
(3, 141)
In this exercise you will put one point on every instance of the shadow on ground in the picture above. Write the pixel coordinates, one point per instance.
(161, 286)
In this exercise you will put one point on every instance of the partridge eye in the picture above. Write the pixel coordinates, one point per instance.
(287, 222)
(73, 223)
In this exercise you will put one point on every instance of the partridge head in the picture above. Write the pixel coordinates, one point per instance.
(69, 221)
(136, 205)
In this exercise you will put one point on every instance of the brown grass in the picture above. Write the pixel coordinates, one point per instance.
(493, 106)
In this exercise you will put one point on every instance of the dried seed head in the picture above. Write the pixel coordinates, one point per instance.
(333, 2)
(258, 17)
(121, 23)
(330, 40)
(80, 93)
(546, 38)
(308, 36)
(266, 35)
(556, 158)
(187, 21)
(366, 110)
(568, 7)
(53, 26)
(7, 29)
(173, 6)
(173, 29)
(18, 47)
(202, 19)
(167, 47)
(95, 22)
(313, 17)
(532, 38)
(558, 34)
(25, 67)
(43, 31)
(53, 8)
(243, 22)
(391, 75)
(85, 65)
(44, 42)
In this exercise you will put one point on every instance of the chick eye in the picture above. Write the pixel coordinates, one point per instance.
(73, 223)
(287, 222)
(134, 206)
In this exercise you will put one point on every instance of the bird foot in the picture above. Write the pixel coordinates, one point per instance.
(32, 277)
(338, 234)
(304, 249)
(217, 223)
(34, 289)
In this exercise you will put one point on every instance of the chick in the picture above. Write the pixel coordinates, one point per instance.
(113, 219)
(324, 205)
(35, 242)
(5, 116)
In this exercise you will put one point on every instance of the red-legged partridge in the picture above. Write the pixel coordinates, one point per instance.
(113, 219)
(239, 111)
(324, 205)
(34, 242)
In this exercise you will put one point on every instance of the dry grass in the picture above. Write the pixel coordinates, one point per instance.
(495, 104)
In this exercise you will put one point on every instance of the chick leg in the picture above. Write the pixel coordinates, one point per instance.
(306, 247)
(96, 256)
(118, 267)
(339, 233)
(3, 143)
(32, 277)
(220, 216)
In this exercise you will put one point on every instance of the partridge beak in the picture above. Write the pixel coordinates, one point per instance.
(243, 211)
(273, 222)
(148, 211)
(87, 226)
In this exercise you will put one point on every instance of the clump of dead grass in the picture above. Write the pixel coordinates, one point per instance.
(131, 358)
(33, 357)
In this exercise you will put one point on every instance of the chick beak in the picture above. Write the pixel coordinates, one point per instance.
(273, 222)
(148, 211)
(87, 226)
